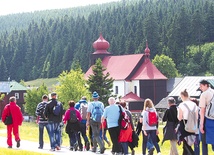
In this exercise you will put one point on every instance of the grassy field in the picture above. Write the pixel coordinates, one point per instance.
(29, 131)
(5, 151)
(48, 82)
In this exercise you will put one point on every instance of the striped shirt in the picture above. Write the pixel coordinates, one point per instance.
(40, 112)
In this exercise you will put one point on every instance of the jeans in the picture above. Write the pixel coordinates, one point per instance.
(54, 132)
(41, 133)
(95, 126)
(152, 134)
(149, 144)
(84, 136)
(197, 145)
(125, 147)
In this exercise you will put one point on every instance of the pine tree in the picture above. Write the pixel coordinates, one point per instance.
(3, 69)
(101, 82)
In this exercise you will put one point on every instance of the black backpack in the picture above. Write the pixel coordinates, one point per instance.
(73, 116)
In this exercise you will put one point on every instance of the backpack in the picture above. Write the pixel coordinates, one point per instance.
(210, 109)
(83, 110)
(57, 109)
(192, 123)
(152, 118)
(73, 116)
(123, 120)
(97, 112)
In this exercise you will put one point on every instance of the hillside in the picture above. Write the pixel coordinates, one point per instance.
(50, 83)
(51, 41)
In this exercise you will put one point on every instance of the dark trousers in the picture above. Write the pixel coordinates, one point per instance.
(114, 135)
(73, 136)
(84, 136)
(187, 150)
(197, 145)
(41, 133)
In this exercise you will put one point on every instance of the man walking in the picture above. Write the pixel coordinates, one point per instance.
(206, 124)
(94, 114)
(112, 114)
(54, 112)
(42, 120)
(14, 110)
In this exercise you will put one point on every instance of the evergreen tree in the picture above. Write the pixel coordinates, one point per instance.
(101, 82)
(3, 69)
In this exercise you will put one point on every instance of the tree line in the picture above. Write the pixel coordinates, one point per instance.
(46, 46)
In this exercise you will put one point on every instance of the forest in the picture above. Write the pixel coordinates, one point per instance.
(43, 44)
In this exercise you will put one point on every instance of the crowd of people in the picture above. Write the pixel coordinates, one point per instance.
(188, 122)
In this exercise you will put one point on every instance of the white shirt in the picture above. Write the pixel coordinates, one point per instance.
(191, 106)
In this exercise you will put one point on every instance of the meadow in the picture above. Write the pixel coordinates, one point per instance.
(5, 151)
(29, 131)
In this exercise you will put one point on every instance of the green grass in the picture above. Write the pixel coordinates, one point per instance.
(6, 151)
(29, 131)
(48, 82)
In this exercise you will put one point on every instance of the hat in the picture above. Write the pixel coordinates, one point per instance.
(204, 82)
(53, 94)
(95, 95)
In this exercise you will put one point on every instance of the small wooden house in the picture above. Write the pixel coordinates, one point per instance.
(12, 88)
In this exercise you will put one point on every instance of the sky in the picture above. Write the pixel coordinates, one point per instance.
(20, 6)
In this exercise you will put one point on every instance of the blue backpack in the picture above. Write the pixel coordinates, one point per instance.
(97, 112)
(57, 109)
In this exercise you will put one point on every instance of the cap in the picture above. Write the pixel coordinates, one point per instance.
(53, 94)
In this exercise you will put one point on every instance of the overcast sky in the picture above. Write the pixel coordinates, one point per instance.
(20, 6)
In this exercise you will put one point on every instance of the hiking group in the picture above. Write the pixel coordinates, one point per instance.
(191, 122)
(81, 117)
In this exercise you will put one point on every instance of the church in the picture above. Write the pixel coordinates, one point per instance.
(135, 77)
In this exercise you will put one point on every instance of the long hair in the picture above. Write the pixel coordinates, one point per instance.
(148, 103)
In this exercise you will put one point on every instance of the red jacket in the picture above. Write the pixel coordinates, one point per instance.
(15, 111)
(126, 135)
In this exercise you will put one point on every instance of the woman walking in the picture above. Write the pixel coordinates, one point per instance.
(183, 112)
(148, 128)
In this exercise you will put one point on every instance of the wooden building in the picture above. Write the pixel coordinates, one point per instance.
(135, 77)
(12, 88)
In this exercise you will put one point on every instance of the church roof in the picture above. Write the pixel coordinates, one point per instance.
(130, 97)
(147, 71)
(129, 67)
